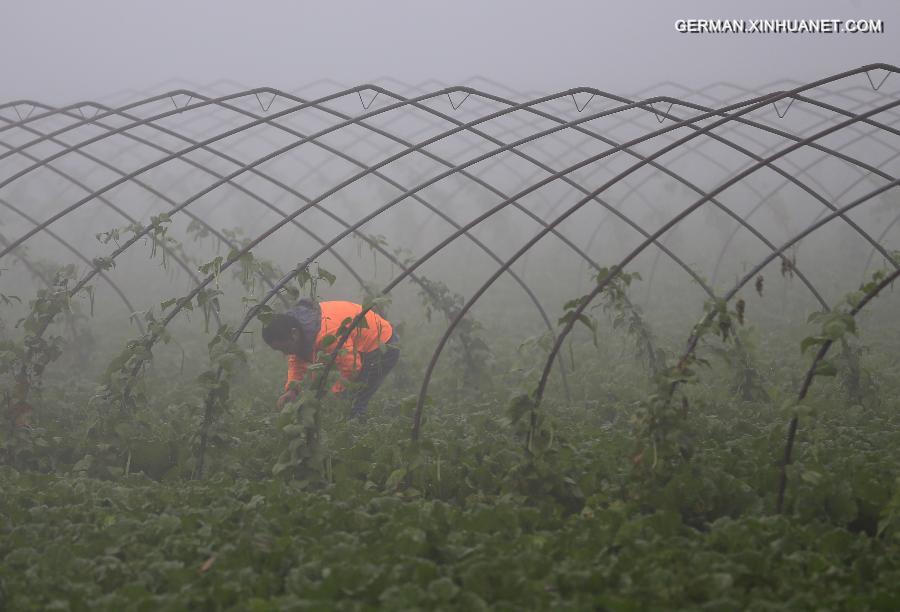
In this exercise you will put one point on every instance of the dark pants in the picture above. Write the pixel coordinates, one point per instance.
(375, 367)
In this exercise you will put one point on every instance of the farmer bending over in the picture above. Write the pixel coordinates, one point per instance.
(366, 357)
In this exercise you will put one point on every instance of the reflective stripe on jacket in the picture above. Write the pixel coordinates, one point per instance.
(331, 315)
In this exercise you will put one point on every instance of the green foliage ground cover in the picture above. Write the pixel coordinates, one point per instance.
(468, 520)
(628, 496)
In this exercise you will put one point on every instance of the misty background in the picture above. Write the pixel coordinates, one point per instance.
(58, 53)
(61, 51)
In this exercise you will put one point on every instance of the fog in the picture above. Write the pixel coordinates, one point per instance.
(60, 52)
(119, 54)
(632, 340)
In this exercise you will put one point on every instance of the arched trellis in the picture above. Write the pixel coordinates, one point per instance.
(789, 178)
(690, 185)
(386, 253)
(272, 94)
(78, 150)
(876, 242)
(800, 170)
(421, 396)
(383, 208)
(106, 202)
(106, 188)
(619, 267)
(125, 246)
(738, 177)
(828, 152)
(544, 224)
(384, 162)
(197, 96)
(693, 339)
(499, 160)
(695, 335)
(822, 302)
(490, 281)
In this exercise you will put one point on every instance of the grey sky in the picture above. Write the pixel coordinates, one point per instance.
(58, 51)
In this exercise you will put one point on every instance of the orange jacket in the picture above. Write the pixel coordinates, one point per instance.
(361, 340)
